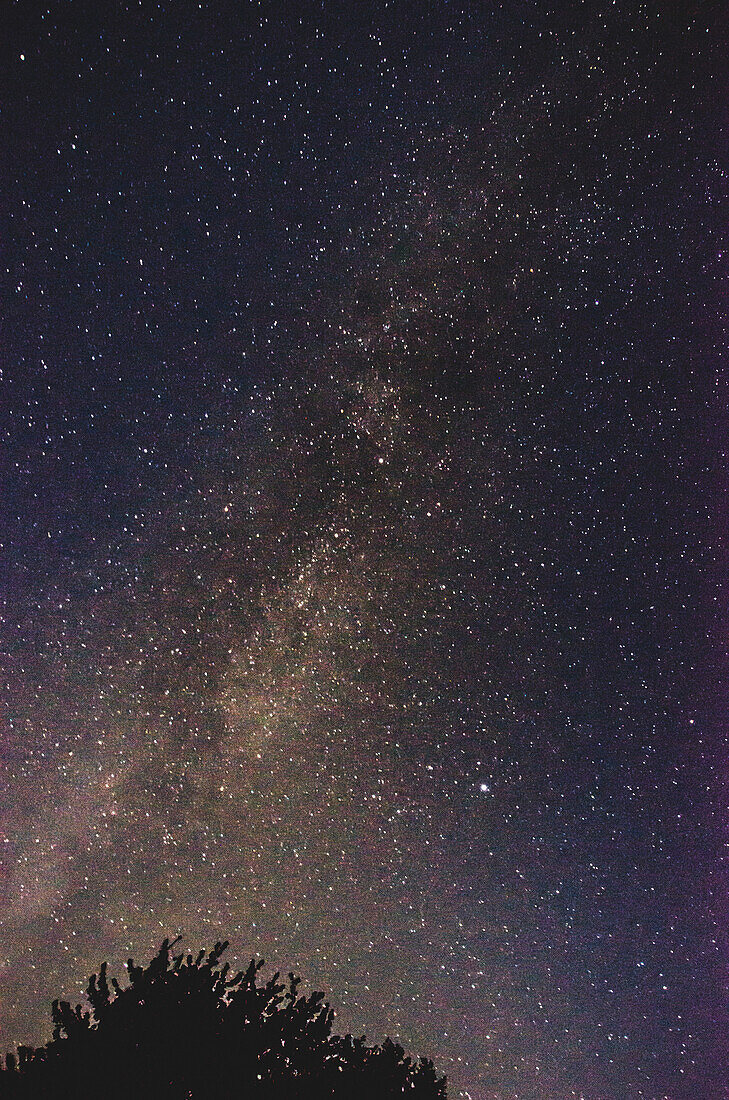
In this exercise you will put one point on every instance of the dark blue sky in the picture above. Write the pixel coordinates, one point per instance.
(361, 423)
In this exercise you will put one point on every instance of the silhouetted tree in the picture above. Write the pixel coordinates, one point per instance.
(184, 1027)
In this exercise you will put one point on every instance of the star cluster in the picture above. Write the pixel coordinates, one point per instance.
(360, 492)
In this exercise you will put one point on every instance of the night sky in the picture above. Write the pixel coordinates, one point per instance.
(360, 486)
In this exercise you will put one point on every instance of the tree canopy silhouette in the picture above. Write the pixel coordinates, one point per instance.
(185, 1027)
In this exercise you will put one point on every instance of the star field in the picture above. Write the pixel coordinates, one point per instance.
(362, 419)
